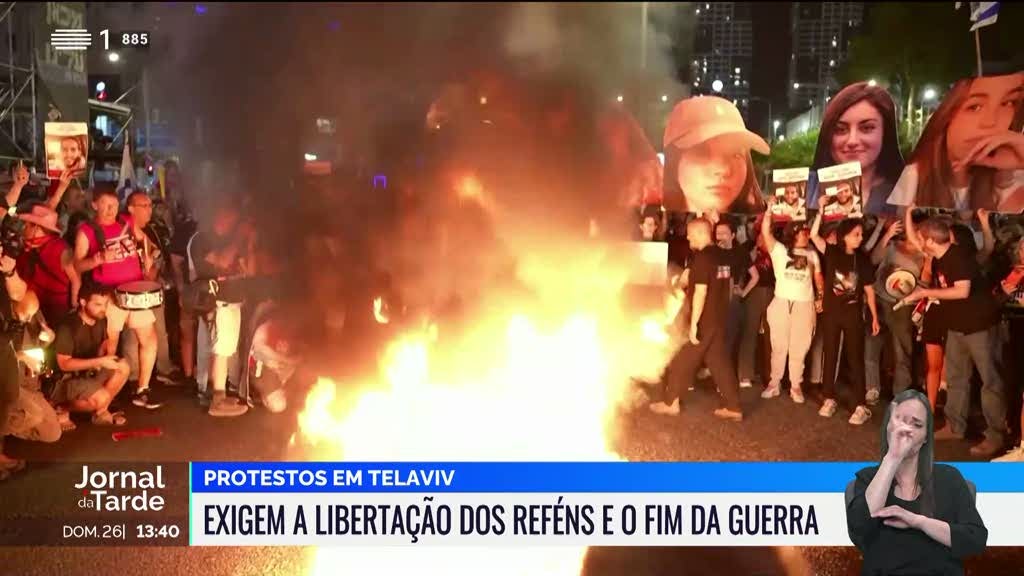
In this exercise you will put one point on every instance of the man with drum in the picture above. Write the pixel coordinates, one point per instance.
(140, 207)
(106, 253)
(899, 266)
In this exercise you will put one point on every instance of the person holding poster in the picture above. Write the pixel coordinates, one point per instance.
(971, 153)
(708, 167)
(909, 515)
(67, 148)
(859, 125)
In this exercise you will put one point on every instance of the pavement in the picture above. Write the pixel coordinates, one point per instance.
(773, 430)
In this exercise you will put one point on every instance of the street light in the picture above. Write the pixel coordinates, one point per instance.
(113, 56)
(619, 98)
(717, 85)
(929, 94)
(664, 98)
(796, 85)
(872, 82)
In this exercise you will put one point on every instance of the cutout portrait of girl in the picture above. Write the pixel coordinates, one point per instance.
(971, 153)
(859, 125)
(708, 168)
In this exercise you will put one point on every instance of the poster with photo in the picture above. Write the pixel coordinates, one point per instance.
(841, 187)
(970, 154)
(790, 189)
(67, 148)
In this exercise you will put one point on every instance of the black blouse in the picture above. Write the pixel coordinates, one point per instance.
(892, 551)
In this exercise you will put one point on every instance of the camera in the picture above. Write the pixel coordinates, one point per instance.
(12, 236)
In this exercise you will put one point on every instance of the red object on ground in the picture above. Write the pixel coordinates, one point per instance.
(140, 433)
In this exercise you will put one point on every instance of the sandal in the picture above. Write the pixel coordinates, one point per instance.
(109, 419)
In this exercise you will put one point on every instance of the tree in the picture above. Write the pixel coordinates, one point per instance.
(908, 45)
(795, 152)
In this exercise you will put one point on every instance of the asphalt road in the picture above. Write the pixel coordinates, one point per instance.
(775, 430)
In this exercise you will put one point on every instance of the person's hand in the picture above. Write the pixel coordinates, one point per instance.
(65, 180)
(983, 215)
(823, 200)
(7, 264)
(918, 294)
(898, 517)
(900, 442)
(1002, 151)
(773, 200)
(875, 327)
(20, 175)
(693, 333)
(109, 362)
(33, 364)
(819, 305)
(894, 229)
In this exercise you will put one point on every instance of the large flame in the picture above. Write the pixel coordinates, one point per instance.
(536, 379)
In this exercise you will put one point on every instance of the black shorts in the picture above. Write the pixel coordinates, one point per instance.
(933, 330)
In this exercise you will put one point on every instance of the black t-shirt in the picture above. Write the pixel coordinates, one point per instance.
(908, 551)
(79, 340)
(846, 275)
(183, 232)
(738, 258)
(979, 311)
(711, 268)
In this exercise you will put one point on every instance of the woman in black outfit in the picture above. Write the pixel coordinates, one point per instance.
(909, 515)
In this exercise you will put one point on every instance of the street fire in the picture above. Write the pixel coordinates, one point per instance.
(541, 384)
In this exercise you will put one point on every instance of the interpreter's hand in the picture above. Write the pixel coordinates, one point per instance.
(693, 333)
(898, 517)
(901, 441)
(1002, 151)
(875, 327)
(20, 175)
(109, 362)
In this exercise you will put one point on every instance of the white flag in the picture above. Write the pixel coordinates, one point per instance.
(127, 169)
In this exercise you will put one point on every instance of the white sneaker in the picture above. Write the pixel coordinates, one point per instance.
(665, 409)
(860, 416)
(797, 395)
(828, 409)
(871, 397)
(746, 384)
(1015, 455)
(770, 392)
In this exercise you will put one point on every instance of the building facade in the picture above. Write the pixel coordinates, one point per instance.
(723, 50)
(821, 36)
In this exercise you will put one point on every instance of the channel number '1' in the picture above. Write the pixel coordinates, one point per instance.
(127, 39)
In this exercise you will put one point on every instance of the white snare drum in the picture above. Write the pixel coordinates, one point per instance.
(142, 295)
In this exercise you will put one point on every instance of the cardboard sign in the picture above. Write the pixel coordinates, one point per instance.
(790, 188)
(67, 148)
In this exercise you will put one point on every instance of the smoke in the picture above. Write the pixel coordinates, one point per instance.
(528, 112)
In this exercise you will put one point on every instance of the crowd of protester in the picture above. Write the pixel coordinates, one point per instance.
(843, 311)
(134, 296)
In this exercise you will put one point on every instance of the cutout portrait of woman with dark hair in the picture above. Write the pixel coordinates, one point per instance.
(859, 125)
(971, 153)
(708, 167)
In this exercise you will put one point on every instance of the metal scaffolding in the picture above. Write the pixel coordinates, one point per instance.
(19, 122)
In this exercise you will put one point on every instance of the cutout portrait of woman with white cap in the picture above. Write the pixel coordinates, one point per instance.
(708, 167)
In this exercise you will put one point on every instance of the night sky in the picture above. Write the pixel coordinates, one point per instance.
(770, 75)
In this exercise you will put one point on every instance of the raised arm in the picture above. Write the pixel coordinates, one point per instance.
(989, 244)
(766, 226)
(65, 180)
(20, 180)
(891, 230)
(816, 238)
(911, 230)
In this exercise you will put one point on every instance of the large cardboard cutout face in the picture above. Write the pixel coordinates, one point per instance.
(708, 167)
(859, 126)
(971, 152)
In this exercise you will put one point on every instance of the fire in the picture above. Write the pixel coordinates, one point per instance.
(379, 312)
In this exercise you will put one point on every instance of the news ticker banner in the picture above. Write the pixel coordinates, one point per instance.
(457, 504)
